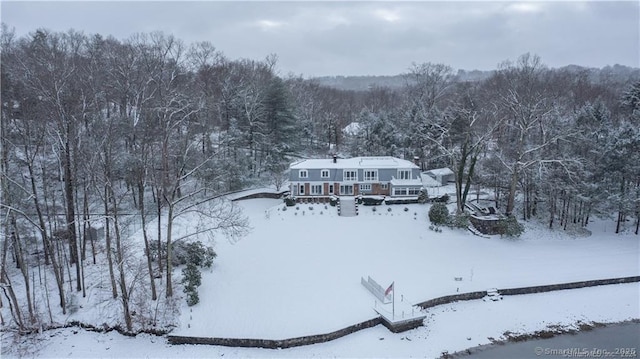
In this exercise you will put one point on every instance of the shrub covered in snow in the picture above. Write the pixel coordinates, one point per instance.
(290, 201)
(423, 197)
(191, 280)
(439, 214)
(442, 199)
(459, 220)
(182, 252)
(194, 255)
(510, 227)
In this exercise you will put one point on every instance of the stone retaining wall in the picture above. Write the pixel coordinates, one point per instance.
(321, 338)
(451, 298)
(488, 226)
(261, 195)
(274, 343)
(526, 290)
(572, 285)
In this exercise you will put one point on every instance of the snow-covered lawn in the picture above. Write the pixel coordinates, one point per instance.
(452, 327)
(298, 271)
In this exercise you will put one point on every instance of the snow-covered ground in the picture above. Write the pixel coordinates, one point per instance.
(452, 327)
(298, 273)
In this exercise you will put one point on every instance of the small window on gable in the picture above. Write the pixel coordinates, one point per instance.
(324, 173)
(303, 174)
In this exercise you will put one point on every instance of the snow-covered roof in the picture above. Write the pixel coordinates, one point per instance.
(352, 129)
(406, 182)
(354, 163)
(441, 171)
(427, 181)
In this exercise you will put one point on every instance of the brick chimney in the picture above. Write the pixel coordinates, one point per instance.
(335, 158)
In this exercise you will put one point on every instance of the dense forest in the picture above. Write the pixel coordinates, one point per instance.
(101, 133)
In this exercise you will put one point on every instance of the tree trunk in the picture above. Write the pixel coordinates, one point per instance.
(512, 191)
(14, 305)
(513, 186)
(168, 259)
(36, 203)
(586, 216)
(85, 223)
(159, 208)
(621, 213)
(459, 178)
(552, 210)
(470, 174)
(120, 258)
(618, 222)
(566, 215)
(71, 217)
(24, 267)
(107, 234)
(147, 248)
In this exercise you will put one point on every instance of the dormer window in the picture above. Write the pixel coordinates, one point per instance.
(404, 174)
(303, 174)
(324, 173)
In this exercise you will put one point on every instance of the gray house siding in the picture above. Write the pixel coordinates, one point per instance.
(314, 185)
(315, 175)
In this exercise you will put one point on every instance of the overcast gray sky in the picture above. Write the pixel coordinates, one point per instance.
(364, 38)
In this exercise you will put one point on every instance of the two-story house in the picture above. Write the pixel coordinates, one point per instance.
(382, 176)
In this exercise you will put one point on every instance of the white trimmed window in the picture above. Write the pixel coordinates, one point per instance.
(384, 186)
(350, 175)
(413, 191)
(371, 175)
(303, 174)
(365, 187)
(330, 189)
(316, 189)
(346, 189)
(324, 173)
(301, 191)
(400, 191)
(404, 174)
